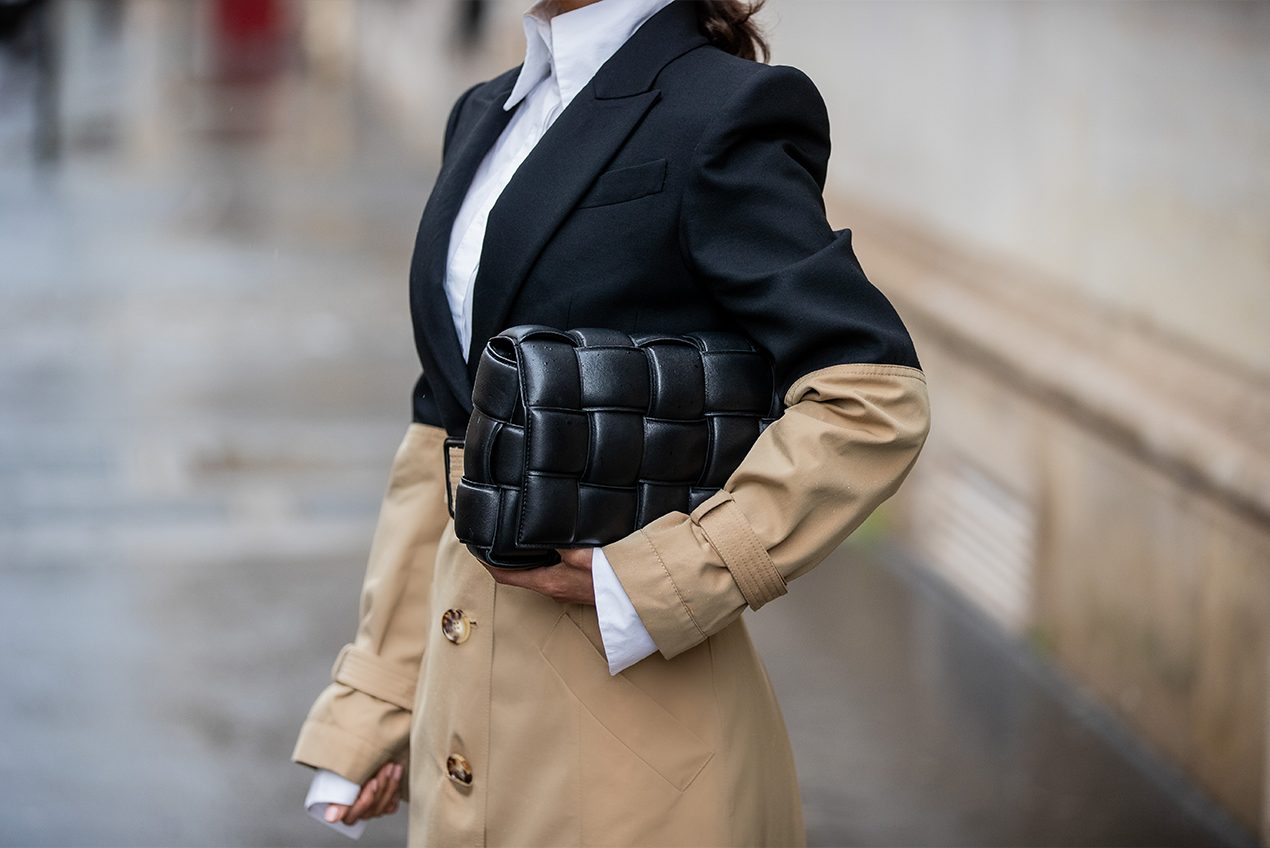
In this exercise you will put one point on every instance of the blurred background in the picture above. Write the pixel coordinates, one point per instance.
(1056, 634)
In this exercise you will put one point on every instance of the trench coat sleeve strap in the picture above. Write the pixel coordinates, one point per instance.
(362, 718)
(855, 412)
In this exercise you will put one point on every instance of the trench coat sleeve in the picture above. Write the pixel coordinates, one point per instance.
(362, 718)
(855, 412)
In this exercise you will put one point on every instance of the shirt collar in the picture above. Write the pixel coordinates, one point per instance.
(571, 46)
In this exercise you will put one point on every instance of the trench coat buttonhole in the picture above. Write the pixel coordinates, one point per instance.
(456, 625)
(459, 769)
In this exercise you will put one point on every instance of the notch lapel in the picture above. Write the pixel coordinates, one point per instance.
(566, 160)
(553, 177)
(542, 192)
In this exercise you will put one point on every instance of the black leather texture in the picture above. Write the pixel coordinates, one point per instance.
(579, 437)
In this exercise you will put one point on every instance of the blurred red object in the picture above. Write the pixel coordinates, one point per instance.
(249, 37)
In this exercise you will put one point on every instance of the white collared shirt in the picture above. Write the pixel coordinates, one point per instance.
(562, 53)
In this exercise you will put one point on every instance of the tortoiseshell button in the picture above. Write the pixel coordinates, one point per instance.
(459, 769)
(456, 625)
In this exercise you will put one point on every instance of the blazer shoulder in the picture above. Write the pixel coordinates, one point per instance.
(475, 90)
(724, 98)
(714, 89)
(714, 73)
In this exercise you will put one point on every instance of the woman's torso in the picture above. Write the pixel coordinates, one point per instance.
(688, 751)
(587, 231)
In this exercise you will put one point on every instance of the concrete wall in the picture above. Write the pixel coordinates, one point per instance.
(1070, 204)
(1123, 149)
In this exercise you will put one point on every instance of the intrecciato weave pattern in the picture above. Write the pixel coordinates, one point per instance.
(578, 437)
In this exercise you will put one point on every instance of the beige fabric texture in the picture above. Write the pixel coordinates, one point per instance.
(363, 718)
(686, 747)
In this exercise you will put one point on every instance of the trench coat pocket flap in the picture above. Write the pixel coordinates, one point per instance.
(625, 183)
(635, 719)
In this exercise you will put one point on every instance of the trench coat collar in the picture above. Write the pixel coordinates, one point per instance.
(544, 189)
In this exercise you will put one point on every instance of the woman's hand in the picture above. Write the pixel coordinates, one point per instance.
(379, 797)
(569, 581)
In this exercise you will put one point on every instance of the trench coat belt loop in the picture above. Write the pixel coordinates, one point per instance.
(453, 469)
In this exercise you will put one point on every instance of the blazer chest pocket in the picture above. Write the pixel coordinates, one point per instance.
(626, 183)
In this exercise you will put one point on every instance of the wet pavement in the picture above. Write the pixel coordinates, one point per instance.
(205, 367)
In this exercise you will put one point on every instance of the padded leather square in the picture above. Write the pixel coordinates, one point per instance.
(698, 495)
(558, 441)
(625, 183)
(617, 448)
(551, 375)
(674, 451)
(507, 455)
(549, 513)
(678, 383)
(585, 337)
(731, 437)
(480, 431)
(612, 512)
(497, 386)
(657, 499)
(476, 512)
(613, 377)
(505, 551)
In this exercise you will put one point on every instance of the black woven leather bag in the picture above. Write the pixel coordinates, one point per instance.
(579, 437)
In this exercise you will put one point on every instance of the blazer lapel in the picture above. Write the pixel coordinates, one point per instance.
(566, 160)
(429, 305)
(540, 194)
(562, 165)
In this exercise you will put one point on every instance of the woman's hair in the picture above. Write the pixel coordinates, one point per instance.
(727, 24)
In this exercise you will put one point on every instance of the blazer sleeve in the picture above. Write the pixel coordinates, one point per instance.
(753, 230)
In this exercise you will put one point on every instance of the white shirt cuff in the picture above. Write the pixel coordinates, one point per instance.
(626, 640)
(330, 788)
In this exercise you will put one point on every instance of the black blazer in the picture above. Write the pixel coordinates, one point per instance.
(680, 190)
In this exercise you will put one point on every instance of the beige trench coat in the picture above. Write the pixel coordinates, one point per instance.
(517, 734)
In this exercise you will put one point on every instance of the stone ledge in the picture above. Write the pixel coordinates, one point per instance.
(1179, 408)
